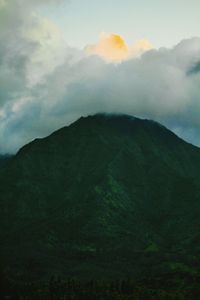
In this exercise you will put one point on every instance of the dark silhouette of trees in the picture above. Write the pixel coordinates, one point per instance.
(177, 286)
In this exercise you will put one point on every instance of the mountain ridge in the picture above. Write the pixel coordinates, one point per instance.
(104, 197)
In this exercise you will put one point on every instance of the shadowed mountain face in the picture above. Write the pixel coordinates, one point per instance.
(108, 196)
(4, 159)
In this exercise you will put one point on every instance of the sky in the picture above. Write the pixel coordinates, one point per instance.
(164, 23)
(62, 59)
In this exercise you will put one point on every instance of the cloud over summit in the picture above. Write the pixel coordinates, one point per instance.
(45, 84)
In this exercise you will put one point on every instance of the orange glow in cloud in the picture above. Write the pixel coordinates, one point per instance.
(140, 47)
(112, 48)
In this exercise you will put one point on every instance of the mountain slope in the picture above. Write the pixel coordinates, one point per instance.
(108, 196)
(4, 159)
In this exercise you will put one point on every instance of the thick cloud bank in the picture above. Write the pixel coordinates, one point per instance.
(44, 84)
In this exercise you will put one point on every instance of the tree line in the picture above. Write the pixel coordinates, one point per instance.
(167, 287)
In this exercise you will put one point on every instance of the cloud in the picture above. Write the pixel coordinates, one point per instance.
(139, 48)
(30, 47)
(2, 3)
(194, 69)
(112, 48)
(45, 84)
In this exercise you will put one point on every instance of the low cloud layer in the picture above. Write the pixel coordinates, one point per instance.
(44, 84)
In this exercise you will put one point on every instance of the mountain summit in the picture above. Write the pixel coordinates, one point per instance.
(109, 196)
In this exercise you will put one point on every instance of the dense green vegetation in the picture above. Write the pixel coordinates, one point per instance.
(106, 198)
(174, 286)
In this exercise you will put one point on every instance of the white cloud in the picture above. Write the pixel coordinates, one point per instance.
(46, 85)
(30, 47)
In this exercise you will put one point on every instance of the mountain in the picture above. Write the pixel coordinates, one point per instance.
(109, 196)
(4, 159)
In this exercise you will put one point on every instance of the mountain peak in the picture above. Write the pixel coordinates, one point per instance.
(105, 188)
(116, 118)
